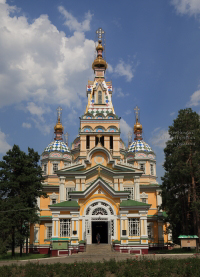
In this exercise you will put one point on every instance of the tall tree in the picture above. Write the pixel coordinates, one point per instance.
(181, 182)
(20, 186)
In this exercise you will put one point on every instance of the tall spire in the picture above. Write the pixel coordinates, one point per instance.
(58, 128)
(99, 65)
(137, 125)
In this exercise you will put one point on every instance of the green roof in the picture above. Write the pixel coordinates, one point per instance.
(187, 237)
(66, 204)
(128, 203)
(45, 216)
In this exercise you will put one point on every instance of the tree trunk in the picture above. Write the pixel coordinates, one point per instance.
(27, 245)
(13, 241)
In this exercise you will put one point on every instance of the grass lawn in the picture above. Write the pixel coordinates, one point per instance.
(139, 268)
(8, 256)
(174, 251)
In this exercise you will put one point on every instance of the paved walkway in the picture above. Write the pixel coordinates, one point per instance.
(95, 253)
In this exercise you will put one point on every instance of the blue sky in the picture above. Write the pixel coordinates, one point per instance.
(47, 48)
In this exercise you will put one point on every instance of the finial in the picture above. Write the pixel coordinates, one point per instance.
(136, 113)
(59, 109)
(99, 33)
(137, 126)
(58, 128)
(99, 171)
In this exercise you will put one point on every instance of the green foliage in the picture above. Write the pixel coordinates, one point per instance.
(128, 268)
(180, 188)
(20, 185)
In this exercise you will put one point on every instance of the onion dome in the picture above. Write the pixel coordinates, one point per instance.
(99, 62)
(57, 145)
(139, 145)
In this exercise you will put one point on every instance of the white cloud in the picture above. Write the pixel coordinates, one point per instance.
(123, 69)
(189, 7)
(119, 93)
(159, 137)
(110, 68)
(73, 24)
(173, 113)
(194, 99)
(26, 125)
(4, 146)
(125, 128)
(128, 112)
(39, 64)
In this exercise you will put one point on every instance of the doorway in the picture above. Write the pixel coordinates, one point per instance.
(100, 227)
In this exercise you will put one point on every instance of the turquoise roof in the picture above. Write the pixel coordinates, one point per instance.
(188, 237)
(57, 145)
(139, 145)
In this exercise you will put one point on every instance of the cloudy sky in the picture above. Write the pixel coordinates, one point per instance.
(46, 52)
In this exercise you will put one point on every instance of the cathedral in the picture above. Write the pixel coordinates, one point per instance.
(99, 186)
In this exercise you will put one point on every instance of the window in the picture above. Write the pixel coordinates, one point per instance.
(131, 195)
(87, 142)
(151, 169)
(65, 227)
(142, 167)
(53, 201)
(49, 232)
(134, 227)
(144, 200)
(111, 142)
(102, 140)
(55, 168)
(45, 169)
(68, 197)
(149, 230)
(99, 97)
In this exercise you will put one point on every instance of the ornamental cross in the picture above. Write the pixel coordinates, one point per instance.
(99, 32)
(136, 112)
(99, 171)
(59, 109)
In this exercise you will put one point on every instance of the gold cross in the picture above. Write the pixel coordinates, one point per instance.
(99, 171)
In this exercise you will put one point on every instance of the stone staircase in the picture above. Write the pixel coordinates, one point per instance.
(100, 252)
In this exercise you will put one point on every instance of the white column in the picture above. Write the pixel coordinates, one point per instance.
(62, 189)
(116, 184)
(137, 188)
(159, 198)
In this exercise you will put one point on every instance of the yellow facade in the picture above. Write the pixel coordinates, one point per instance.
(99, 185)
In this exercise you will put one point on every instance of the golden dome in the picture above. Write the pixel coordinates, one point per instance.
(99, 47)
(137, 126)
(58, 126)
(99, 62)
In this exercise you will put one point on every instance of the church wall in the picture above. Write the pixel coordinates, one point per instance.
(96, 158)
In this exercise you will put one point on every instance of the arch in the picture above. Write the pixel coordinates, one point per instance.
(112, 129)
(97, 149)
(111, 116)
(88, 116)
(100, 129)
(99, 207)
(100, 115)
(87, 129)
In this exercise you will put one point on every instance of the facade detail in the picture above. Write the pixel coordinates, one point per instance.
(99, 185)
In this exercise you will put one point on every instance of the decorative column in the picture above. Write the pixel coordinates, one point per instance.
(143, 227)
(124, 227)
(55, 221)
(78, 183)
(92, 142)
(137, 188)
(82, 183)
(62, 189)
(116, 184)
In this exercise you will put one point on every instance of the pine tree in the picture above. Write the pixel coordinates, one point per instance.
(20, 185)
(181, 182)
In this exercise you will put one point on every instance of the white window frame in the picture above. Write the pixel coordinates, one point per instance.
(144, 163)
(36, 234)
(65, 227)
(134, 227)
(131, 195)
(53, 196)
(144, 196)
(48, 228)
(150, 230)
(152, 168)
(43, 167)
(69, 189)
(100, 94)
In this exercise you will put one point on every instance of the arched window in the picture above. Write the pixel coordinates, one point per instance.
(99, 97)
